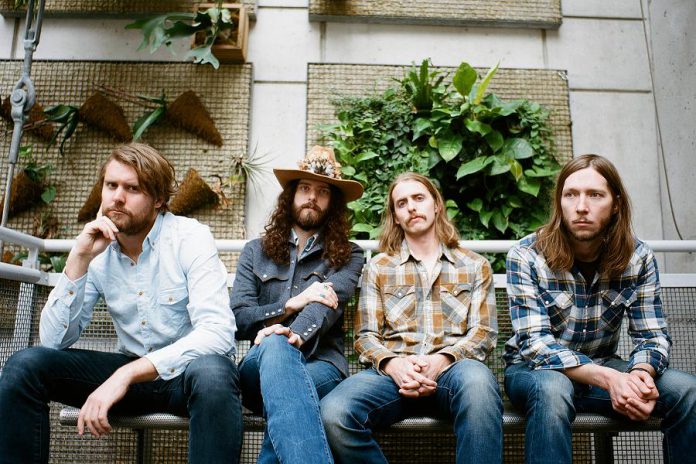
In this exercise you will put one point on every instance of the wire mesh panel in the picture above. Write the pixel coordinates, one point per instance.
(119, 8)
(224, 92)
(329, 81)
(530, 13)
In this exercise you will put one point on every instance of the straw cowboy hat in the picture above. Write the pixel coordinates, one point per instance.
(320, 164)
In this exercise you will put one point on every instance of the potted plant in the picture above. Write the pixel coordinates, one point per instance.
(218, 32)
(29, 186)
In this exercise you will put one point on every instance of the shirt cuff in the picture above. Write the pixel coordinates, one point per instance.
(563, 360)
(166, 368)
(655, 359)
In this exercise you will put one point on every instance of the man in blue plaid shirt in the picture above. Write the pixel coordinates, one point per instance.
(569, 287)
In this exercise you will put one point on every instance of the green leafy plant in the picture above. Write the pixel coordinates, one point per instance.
(212, 26)
(66, 118)
(38, 173)
(493, 160)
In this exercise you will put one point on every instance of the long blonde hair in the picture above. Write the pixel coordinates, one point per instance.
(616, 252)
(393, 235)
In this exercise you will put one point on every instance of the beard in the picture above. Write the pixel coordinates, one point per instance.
(308, 216)
(587, 235)
(126, 221)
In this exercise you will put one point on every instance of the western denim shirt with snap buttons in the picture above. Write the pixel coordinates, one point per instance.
(262, 287)
(561, 321)
(170, 306)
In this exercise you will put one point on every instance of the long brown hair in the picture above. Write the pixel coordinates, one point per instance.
(393, 235)
(617, 249)
(337, 248)
(155, 173)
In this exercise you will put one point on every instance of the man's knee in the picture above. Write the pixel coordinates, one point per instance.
(212, 372)
(547, 390)
(24, 364)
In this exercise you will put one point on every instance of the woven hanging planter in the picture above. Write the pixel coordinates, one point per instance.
(194, 193)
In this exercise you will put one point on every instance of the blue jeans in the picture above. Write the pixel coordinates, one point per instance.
(207, 392)
(550, 397)
(467, 392)
(278, 382)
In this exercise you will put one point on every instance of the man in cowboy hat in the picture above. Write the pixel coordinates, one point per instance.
(290, 290)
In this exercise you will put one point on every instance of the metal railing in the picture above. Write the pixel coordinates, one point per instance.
(30, 273)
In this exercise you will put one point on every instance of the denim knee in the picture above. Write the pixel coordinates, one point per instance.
(212, 372)
(549, 392)
(24, 367)
(468, 376)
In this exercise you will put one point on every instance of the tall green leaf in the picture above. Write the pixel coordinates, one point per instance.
(481, 90)
(473, 166)
(464, 78)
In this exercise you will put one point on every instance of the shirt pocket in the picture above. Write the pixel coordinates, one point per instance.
(400, 303)
(173, 304)
(456, 300)
(273, 284)
(616, 303)
(558, 305)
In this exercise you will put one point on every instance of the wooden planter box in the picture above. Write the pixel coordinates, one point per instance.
(231, 53)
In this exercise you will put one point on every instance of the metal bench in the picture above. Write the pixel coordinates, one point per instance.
(163, 437)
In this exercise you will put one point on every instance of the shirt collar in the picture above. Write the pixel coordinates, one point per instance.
(406, 253)
(152, 236)
(294, 239)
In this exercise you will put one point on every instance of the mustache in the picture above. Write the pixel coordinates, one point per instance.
(116, 210)
(416, 216)
(310, 205)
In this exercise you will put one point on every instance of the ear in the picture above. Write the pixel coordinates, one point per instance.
(159, 203)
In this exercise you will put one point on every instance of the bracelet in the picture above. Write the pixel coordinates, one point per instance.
(640, 369)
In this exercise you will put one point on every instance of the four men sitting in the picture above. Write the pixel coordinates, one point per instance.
(426, 321)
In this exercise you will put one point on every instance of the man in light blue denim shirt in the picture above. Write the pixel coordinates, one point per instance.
(165, 288)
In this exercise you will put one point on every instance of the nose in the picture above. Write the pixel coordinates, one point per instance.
(581, 205)
(119, 195)
(411, 205)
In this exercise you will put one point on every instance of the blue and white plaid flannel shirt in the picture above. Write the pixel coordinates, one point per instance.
(560, 321)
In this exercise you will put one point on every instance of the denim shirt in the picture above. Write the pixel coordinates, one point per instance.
(170, 306)
(262, 287)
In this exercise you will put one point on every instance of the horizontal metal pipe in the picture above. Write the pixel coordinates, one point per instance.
(20, 273)
(480, 246)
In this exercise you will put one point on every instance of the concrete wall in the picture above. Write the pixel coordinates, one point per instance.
(616, 101)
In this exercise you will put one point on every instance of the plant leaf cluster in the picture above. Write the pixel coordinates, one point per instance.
(38, 172)
(163, 29)
(493, 160)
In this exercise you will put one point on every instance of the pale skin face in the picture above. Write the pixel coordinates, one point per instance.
(310, 204)
(414, 208)
(124, 201)
(588, 206)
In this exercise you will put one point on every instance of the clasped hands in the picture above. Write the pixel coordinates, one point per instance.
(415, 374)
(633, 394)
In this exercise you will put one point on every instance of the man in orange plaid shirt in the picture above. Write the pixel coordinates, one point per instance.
(425, 323)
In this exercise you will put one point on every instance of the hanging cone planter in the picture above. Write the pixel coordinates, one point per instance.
(193, 193)
(91, 206)
(24, 194)
(101, 113)
(187, 112)
(36, 115)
